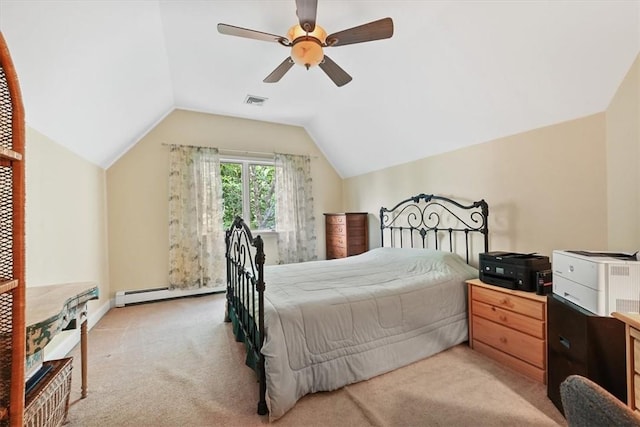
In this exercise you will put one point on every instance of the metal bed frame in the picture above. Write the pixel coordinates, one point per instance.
(415, 218)
(411, 222)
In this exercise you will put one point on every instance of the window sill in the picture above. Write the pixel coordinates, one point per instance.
(264, 232)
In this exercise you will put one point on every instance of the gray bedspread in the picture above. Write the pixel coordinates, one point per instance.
(333, 323)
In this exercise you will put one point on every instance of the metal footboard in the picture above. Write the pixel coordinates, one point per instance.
(245, 296)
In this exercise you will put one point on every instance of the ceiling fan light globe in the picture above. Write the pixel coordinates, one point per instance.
(306, 48)
(307, 52)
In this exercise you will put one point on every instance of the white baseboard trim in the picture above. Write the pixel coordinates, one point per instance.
(157, 294)
(64, 342)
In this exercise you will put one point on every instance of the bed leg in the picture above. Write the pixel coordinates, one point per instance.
(227, 319)
(262, 408)
(262, 380)
(260, 286)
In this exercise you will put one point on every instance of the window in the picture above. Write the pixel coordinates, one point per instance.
(248, 190)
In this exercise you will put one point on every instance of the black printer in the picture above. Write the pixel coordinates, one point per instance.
(513, 270)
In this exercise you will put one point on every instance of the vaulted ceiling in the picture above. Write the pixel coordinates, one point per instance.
(97, 75)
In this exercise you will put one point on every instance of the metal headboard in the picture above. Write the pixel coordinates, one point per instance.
(430, 220)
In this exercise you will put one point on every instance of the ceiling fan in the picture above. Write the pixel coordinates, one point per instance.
(307, 41)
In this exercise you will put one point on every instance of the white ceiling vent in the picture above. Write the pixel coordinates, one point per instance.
(255, 100)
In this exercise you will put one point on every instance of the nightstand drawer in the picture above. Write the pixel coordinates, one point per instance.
(510, 302)
(510, 319)
(533, 372)
(510, 341)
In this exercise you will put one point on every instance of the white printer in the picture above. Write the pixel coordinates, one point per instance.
(600, 282)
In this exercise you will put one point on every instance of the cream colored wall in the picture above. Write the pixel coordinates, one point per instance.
(623, 163)
(572, 185)
(137, 189)
(66, 235)
(546, 188)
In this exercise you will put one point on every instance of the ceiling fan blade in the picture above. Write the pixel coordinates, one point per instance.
(335, 73)
(231, 30)
(280, 71)
(376, 30)
(306, 11)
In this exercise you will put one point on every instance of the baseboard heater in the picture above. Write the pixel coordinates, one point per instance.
(156, 294)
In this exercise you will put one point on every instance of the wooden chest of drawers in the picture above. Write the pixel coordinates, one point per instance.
(346, 234)
(510, 327)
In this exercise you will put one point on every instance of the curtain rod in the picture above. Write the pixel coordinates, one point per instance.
(230, 151)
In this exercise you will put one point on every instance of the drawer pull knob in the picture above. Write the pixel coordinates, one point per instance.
(503, 318)
(503, 340)
(505, 301)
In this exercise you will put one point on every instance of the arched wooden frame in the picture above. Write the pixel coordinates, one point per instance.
(12, 146)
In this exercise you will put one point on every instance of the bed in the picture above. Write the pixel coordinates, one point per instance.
(321, 325)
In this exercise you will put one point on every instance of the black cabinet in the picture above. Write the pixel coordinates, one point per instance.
(582, 343)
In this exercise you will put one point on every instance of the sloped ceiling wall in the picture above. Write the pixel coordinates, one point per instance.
(97, 75)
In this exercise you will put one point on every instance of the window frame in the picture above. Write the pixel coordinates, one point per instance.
(245, 161)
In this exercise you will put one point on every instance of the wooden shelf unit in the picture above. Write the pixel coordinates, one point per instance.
(12, 251)
(8, 285)
(10, 155)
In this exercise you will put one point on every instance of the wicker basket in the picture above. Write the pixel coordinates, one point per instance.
(48, 403)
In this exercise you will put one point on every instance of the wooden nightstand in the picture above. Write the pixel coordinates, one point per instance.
(346, 234)
(510, 327)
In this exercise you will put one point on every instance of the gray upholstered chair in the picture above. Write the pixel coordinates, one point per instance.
(586, 404)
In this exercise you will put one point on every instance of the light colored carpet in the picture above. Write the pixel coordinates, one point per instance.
(176, 363)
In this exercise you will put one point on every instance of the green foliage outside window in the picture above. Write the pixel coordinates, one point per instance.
(260, 200)
(231, 174)
(262, 197)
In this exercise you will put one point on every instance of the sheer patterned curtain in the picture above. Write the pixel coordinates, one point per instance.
(196, 235)
(295, 223)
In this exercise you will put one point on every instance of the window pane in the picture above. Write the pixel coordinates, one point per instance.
(262, 198)
(231, 174)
